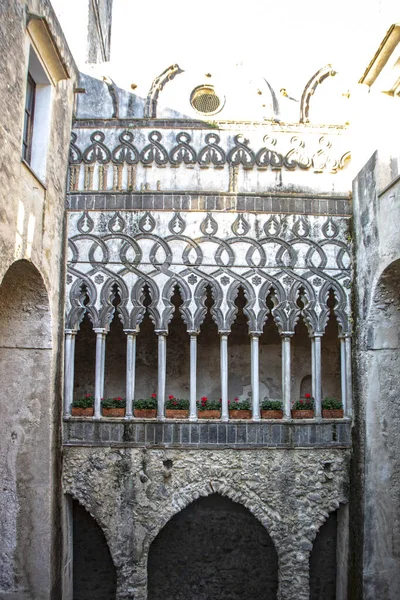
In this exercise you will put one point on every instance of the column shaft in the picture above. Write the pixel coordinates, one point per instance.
(193, 377)
(130, 372)
(343, 377)
(255, 377)
(349, 390)
(69, 371)
(317, 375)
(224, 376)
(99, 373)
(162, 373)
(286, 375)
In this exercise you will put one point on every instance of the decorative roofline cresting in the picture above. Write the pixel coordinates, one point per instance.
(279, 151)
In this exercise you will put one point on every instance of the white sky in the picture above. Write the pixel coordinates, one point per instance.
(286, 41)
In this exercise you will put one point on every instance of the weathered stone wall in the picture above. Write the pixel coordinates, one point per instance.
(214, 548)
(31, 316)
(133, 493)
(377, 252)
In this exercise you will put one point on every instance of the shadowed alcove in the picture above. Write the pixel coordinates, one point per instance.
(214, 548)
(94, 574)
(323, 561)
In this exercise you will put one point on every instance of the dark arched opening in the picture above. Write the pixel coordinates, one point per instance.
(94, 574)
(323, 561)
(214, 548)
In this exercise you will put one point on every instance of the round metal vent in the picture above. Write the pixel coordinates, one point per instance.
(205, 100)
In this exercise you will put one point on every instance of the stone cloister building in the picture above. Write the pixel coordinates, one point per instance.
(181, 242)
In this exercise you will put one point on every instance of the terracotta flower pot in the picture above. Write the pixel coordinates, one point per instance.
(209, 414)
(272, 414)
(82, 412)
(239, 414)
(173, 413)
(145, 413)
(113, 412)
(302, 414)
(332, 413)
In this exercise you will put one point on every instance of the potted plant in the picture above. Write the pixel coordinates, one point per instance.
(332, 408)
(145, 408)
(303, 408)
(271, 409)
(83, 407)
(208, 409)
(239, 409)
(176, 408)
(113, 407)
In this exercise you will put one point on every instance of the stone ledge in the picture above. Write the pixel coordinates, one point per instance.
(268, 203)
(83, 432)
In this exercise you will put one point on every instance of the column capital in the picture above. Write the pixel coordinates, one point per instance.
(194, 332)
(131, 331)
(255, 334)
(224, 332)
(316, 334)
(100, 330)
(286, 334)
(163, 332)
(70, 331)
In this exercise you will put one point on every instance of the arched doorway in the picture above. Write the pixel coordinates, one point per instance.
(25, 441)
(323, 561)
(213, 549)
(94, 574)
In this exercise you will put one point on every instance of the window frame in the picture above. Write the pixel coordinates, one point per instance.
(29, 116)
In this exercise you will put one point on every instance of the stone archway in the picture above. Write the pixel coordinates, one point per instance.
(214, 548)
(25, 441)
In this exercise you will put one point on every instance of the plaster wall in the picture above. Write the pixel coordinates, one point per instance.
(31, 248)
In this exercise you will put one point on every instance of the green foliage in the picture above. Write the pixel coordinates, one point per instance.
(239, 404)
(332, 404)
(146, 402)
(306, 403)
(271, 405)
(86, 402)
(116, 402)
(177, 403)
(205, 404)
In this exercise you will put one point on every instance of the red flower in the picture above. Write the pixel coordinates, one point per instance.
(307, 395)
(88, 395)
(171, 397)
(154, 395)
(174, 403)
(204, 399)
(229, 401)
(119, 398)
(236, 399)
(301, 401)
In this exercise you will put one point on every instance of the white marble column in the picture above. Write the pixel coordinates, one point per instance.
(312, 366)
(69, 370)
(130, 370)
(193, 376)
(224, 375)
(99, 373)
(255, 375)
(349, 388)
(162, 373)
(343, 378)
(316, 374)
(286, 384)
